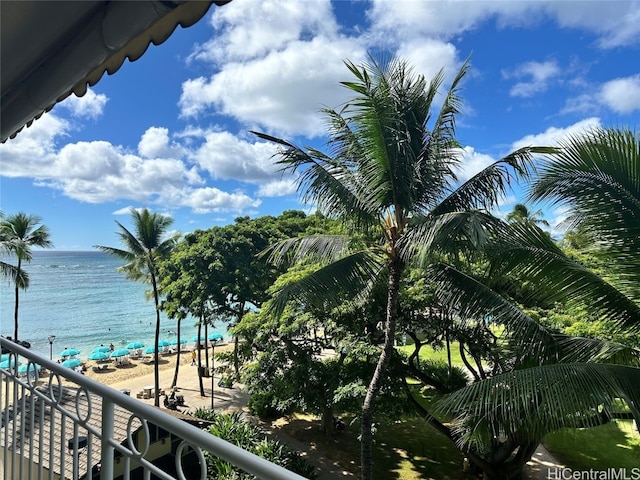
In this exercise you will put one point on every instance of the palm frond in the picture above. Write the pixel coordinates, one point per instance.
(529, 253)
(531, 402)
(314, 248)
(327, 182)
(593, 350)
(349, 277)
(472, 299)
(597, 175)
(457, 231)
(488, 186)
(18, 276)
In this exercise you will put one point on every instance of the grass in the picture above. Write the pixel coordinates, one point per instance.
(614, 445)
(408, 449)
(429, 353)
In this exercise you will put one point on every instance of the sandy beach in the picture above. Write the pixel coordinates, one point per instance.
(138, 375)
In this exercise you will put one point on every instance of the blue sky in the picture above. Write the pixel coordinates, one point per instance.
(171, 131)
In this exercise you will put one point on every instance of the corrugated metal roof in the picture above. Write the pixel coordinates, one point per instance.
(49, 50)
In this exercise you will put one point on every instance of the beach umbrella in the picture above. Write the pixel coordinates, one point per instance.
(149, 350)
(69, 352)
(98, 356)
(31, 367)
(195, 339)
(72, 363)
(4, 356)
(101, 348)
(135, 345)
(215, 336)
(164, 343)
(175, 341)
(121, 352)
(9, 363)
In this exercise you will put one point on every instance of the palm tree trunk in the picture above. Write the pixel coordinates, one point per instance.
(175, 373)
(206, 345)
(366, 445)
(199, 356)
(156, 369)
(15, 311)
(236, 360)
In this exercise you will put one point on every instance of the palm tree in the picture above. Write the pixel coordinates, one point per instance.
(15, 276)
(142, 252)
(20, 232)
(596, 176)
(521, 214)
(388, 174)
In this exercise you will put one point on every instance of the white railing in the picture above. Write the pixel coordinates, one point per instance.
(63, 425)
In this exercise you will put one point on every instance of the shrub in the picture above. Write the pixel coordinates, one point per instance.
(453, 379)
(263, 405)
(234, 429)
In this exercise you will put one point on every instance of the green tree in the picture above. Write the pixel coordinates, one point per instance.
(143, 251)
(15, 276)
(20, 233)
(387, 172)
(576, 382)
(522, 214)
(314, 360)
(217, 273)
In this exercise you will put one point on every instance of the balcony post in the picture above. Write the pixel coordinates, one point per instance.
(107, 453)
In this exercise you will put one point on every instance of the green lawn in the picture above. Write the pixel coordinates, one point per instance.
(428, 353)
(409, 449)
(614, 445)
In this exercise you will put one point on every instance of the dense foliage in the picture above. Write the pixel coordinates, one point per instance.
(236, 430)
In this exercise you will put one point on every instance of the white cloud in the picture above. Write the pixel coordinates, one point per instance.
(90, 105)
(227, 157)
(586, 103)
(615, 23)
(538, 74)
(552, 135)
(208, 200)
(155, 143)
(278, 188)
(274, 92)
(250, 29)
(472, 163)
(123, 210)
(32, 151)
(98, 172)
(429, 56)
(622, 95)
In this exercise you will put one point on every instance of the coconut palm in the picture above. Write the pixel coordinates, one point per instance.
(596, 176)
(20, 232)
(521, 214)
(15, 276)
(142, 252)
(391, 175)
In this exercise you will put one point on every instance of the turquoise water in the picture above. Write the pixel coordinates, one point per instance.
(81, 299)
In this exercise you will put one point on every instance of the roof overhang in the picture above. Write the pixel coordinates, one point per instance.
(50, 49)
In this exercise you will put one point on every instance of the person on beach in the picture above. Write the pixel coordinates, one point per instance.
(111, 347)
(193, 358)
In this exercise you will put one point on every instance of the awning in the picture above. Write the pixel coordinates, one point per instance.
(50, 49)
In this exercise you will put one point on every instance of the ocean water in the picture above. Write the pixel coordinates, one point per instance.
(81, 299)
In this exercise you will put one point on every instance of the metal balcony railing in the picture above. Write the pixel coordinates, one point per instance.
(58, 424)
